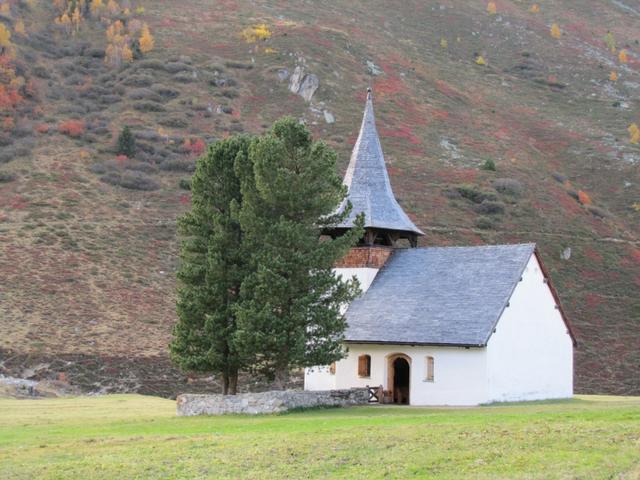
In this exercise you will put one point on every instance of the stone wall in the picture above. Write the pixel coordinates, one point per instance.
(268, 402)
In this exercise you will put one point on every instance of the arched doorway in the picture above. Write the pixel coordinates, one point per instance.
(398, 380)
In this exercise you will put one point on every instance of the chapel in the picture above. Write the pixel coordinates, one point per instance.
(463, 325)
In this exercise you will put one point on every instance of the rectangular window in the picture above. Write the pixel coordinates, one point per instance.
(364, 366)
(429, 370)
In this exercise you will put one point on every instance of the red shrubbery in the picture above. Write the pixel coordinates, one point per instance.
(195, 147)
(72, 128)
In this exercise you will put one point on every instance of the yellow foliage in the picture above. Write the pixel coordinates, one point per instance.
(636, 206)
(5, 9)
(610, 41)
(634, 131)
(613, 76)
(76, 18)
(146, 40)
(491, 8)
(535, 8)
(270, 50)
(5, 36)
(256, 33)
(113, 7)
(444, 43)
(127, 54)
(96, 6)
(19, 28)
(139, 10)
(126, 12)
(480, 60)
(623, 57)
(555, 31)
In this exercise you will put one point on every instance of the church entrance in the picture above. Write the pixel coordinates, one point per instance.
(399, 378)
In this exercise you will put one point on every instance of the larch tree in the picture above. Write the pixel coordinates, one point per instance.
(146, 39)
(289, 315)
(213, 266)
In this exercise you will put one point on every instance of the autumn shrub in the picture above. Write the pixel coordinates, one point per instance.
(489, 207)
(485, 223)
(130, 180)
(148, 107)
(42, 128)
(72, 128)
(508, 186)
(584, 198)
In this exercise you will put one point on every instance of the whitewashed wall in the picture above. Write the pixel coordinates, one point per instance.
(459, 373)
(530, 355)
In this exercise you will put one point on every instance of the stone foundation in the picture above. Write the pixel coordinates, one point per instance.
(268, 402)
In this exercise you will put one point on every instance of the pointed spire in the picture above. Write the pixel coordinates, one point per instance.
(369, 188)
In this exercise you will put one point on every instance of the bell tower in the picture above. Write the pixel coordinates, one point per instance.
(369, 191)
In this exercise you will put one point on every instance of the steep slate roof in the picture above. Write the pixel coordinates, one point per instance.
(368, 182)
(438, 296)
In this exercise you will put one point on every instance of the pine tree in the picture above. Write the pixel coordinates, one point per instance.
(213, 266)
(290, 310)
(126, 143)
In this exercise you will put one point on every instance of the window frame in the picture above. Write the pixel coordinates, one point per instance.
(364, 365)
(429, 369)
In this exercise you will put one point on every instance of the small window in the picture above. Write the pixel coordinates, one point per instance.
(429, 370)
(364, 366)
(332, 368)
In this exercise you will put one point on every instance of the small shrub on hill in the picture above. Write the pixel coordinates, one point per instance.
(508, 186)
(6, 177)
(72, 128)
(131, 180)
(178, 165)
(126, 143)
(472, 193)
(149, 107)
(597, 211)
(558, 177)
(239, 65)
(485, 223)
(174, 122)
(175, 67)
(164, 91)
(490, 207)
(489, 165)
(185, 183)
(144, 94)
(138, 81)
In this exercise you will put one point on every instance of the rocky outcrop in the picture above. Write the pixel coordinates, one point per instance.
(303, 84)
(268, 402)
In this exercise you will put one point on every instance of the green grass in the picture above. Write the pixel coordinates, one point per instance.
(129, 436)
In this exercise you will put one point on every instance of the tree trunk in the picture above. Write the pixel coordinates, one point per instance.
(225, 384)
(233, 383)
(281, 378)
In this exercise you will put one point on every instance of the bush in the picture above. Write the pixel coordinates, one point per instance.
(508, 186)
(574, 194)
(150, 64)
(488, 165)
(164, 91)
(98, 168)
(485, 223)
(8, 154)
(141, 167)
(126, 143)
(149, 107)
(185, 77)
(490, 207)
(6, 177)
(185, 183)
(144, 94)
(178, 165)
(175, 67)
(138, 81)
(239, 65)
(597, 211)
(131, 180)
(471, 192)
(173, 122)
(72, 128)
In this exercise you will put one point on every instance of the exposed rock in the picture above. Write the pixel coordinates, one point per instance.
(566, 254)
(268, 402)
(372, 68)
(328, 117)
(283, 74)
(309, 86)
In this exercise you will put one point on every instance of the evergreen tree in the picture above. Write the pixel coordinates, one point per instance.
(126, 143)
(213, 266)
(290, 310)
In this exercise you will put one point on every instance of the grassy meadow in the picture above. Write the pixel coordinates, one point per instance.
(131, 436)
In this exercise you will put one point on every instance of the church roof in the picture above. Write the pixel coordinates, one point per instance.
(368, 182)
(438, 295)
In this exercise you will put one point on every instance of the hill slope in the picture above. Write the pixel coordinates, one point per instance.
(88, 249)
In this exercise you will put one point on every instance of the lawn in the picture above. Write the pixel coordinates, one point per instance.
(130, 436)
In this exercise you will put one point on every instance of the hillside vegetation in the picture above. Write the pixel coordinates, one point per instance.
(128, 436)
(497, 127)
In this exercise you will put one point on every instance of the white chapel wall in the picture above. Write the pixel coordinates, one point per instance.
(530, 355)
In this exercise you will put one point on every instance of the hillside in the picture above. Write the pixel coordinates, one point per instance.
(88, 250)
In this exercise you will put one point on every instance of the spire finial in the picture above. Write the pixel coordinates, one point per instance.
(368, 93)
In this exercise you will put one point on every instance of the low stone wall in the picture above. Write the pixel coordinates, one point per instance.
(268, 402)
